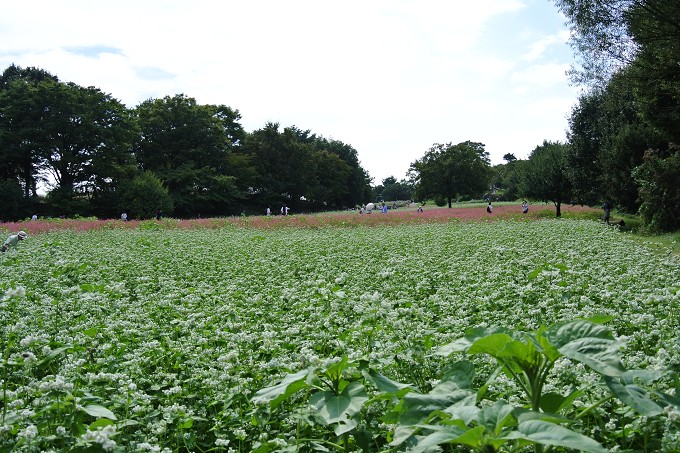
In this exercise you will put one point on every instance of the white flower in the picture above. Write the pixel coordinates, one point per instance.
(30, 432)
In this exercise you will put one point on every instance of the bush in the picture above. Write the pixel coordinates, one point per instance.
(144, 196)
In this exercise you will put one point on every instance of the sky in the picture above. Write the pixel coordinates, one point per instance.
(388, 77)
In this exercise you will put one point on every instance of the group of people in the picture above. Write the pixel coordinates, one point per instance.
(525, 207)
(283, 211)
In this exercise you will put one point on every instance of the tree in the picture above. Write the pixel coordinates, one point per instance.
(285, 165)
(658, 178)
(330, 188)
(608, 136)
(75, 139)
(450, 171)
(545, 175)
(191, 148)
(145, 195)
(507, 178)
(20, 116)
(392, 190)
(358, 182)
(639, 36)
(13, 201)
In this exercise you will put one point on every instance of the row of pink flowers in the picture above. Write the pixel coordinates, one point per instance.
(338, 219)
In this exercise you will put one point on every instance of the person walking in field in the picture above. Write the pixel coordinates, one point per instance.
(525, 207)
(489, 208)
(607, 211)
(13, 240)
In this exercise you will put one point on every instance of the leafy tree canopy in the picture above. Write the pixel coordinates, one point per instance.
(451, 171)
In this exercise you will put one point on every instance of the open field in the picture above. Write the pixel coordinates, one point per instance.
(155, 337)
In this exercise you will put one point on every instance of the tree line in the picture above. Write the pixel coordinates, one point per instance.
(99, 158)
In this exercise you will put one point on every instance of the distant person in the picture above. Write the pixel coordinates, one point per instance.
(268, 211)
(34, 217)
(607, 211)
(13, 240)
(159, 214)
(489, 208)
(384, 208)
(420, 209)
(525, 207)
(124, 217)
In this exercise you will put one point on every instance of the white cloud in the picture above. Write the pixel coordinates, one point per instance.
(539, 47)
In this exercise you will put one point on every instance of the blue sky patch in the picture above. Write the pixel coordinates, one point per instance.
(93, 51)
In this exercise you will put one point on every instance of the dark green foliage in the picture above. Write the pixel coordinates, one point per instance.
(144, 196)
(189, 147)
(659, 179)
(391, 190)
(452, 171)
(544, 176)
(13, 201)
(297, 168)
(628, 56)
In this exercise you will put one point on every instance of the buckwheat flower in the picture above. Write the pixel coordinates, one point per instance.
(102, 437)
(27, 341)
(29, 433)
(61, 431)
(19, 291)
(221, 442)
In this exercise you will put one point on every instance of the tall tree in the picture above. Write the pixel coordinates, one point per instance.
(284, 162)
(358, 182)
(640, 36)
(191, 149)
(545, 175)
(609, 135)
(20, 115)
(449, 171)
(75, 138)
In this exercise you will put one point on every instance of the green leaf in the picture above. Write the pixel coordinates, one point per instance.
(385, 384)
(546, 433)
(417, 407)
(100, 423)
(632, 395)
(471, 335)
(334, 408)
(491, 344)
(276, 394)
(554, 402)
(494, 418)
(465, 413)
(448, 435)
(589, 343)
(462, 373)
(91, 332)
(600, 319)
(96, 410)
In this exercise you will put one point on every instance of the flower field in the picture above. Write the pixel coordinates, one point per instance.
(177, 339)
